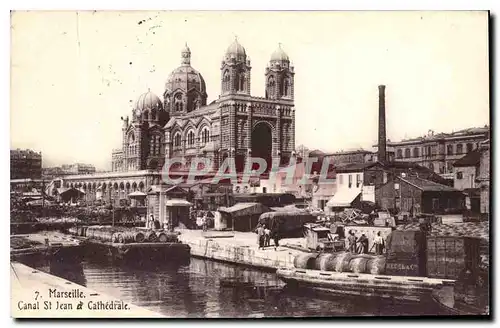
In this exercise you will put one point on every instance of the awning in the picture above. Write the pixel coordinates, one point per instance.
(343, 198)
(178, 202)
(244, 209)
(137, 194)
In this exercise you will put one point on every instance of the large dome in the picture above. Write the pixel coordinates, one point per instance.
(148, 101)
(185, 78)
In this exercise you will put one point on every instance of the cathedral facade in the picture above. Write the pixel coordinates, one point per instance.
(236, 125)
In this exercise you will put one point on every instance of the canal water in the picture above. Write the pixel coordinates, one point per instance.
(204, 288)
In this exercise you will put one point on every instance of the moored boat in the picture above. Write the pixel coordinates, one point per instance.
(407, 288)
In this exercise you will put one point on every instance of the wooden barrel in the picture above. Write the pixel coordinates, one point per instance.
(322, 261)
(107, 236)
(162, 237)
(376, 265)
(305, 261)
(358, 264)
(133, 236)
(341, 261)
(150, 236)
(330, 263)
(139, 237)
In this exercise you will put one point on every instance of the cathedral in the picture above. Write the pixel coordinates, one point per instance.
(236, 125)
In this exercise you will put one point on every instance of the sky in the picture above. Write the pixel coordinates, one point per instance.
(74, 74)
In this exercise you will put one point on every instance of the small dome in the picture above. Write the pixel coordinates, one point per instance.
(236, 50)
(279, 55)
(148, 101)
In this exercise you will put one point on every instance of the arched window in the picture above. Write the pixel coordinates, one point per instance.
(431, 167)
(449, 149)
(460, 149)
(153, 114)
(416, 152)
(179, 106)
(469, 147)
(177, 139)
(399, 153)
(270, 85)
(242, 82)
(158, 144)
(205, 135)
(225, 81)
(286, 87)
(407, 153)
(190, 138)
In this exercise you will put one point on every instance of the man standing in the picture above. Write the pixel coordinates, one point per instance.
(364, 244)
(379, 244)
(352, 242)
(267, 236)
(151, 222)
(260, 235)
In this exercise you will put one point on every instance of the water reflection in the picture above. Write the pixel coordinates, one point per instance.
(203, 288)
(72, 271)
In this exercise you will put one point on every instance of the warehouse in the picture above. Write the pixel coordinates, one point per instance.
(420, 196)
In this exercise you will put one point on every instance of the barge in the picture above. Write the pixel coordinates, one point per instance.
(131, 244)
(50, 245)
(384, 286)
(140, 252)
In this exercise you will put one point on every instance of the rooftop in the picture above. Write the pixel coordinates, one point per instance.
(427, 185)
(455, 134)
(352, 167)
(471, 159)
(350, 151)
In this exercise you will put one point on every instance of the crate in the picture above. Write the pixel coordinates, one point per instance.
(448, 257)
(406, 244)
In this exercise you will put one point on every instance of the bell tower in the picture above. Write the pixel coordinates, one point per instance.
(279, 76)
(235, 70)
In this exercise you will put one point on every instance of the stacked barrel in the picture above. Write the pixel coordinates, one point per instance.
(123, 235)
(341, 262)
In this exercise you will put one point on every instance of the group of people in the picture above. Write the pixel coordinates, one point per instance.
(360, 245)
(264, 235)
(155, 224)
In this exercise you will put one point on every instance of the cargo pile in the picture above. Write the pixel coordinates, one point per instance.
(466, 229)
(341, 262)
(123, 235)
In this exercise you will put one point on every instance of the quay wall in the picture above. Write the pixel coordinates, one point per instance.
(239, 250)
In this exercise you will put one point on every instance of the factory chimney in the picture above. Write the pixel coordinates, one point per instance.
(382, 154)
